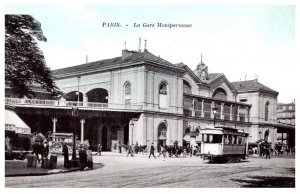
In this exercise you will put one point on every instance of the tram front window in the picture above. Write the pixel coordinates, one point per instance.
(210, 138)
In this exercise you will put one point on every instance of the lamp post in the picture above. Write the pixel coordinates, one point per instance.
(215, 112)
(74, 114)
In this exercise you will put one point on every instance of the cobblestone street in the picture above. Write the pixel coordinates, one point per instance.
(118, 171)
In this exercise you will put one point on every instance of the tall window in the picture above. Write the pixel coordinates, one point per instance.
(267, 107)
(163, 96)
(127, 91)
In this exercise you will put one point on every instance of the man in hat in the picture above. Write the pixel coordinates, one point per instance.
(152, 151)
(65, 154)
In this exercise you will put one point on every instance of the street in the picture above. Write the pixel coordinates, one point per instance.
(119, 171)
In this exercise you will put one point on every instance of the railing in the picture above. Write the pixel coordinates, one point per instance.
(58, 103)
(189, 112)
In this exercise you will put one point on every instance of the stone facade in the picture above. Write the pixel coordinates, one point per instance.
(150, 100)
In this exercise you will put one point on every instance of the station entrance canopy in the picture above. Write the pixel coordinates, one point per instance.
(14, 123)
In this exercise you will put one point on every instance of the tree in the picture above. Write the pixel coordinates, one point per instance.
(24, 61)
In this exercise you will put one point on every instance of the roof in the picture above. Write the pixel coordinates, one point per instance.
(212, 75)
(128, 57)
(251, 85)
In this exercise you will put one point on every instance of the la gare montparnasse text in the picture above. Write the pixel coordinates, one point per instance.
(147, 25)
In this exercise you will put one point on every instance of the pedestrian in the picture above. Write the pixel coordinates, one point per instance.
(152, 151)
(268, 153)
(160, 150)
(164, 151)
(188, 149)
(120, 147)
(45, 148)
(99, 149)
(82, 157)
(65, 152)
(130, 150)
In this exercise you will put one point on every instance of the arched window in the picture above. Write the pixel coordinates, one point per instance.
(163, 89)
(127, 94)
(163, 95)
(186, 87)
(266, 136)
(220, 93)
(127, 88)
(267, 107)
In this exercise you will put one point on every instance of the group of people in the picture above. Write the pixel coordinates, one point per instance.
(193, 150)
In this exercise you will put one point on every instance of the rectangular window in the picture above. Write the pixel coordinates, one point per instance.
(243, 100)
(204, 137)
(239, 140)
(127, 103)
(229, 139)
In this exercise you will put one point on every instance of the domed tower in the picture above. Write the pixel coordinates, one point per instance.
(202, 71)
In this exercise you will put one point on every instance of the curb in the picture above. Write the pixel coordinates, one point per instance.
(42, 173)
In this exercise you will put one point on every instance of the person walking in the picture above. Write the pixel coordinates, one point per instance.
(66, 155)
(99, 149)
(152, 151)
(130, 150)
(120, 147)
(268, 153)
(160, 150)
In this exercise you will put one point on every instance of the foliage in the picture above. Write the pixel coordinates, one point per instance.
(24, 61)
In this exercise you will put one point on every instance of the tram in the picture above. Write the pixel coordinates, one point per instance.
(223, 144)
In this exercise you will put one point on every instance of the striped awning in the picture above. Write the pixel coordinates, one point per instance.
(14, 123)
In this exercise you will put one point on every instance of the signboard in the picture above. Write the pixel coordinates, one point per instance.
(23, 130)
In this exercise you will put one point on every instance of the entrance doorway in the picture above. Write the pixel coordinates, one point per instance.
(126, 134)
(162, 134)
(104, 138)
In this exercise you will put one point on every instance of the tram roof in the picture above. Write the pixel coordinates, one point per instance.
(222, 130)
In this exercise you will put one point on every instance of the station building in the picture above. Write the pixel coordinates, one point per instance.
(143, 98)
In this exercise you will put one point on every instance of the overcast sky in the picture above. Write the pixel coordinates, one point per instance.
(242, 41)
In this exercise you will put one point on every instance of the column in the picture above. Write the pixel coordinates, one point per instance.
(85, 99)
(222, 110)
(82, 121)
(231, 117)
(131, 125)
(211, 110)
(202, 109)
(193, 107)
(54, 120)
(237, 113)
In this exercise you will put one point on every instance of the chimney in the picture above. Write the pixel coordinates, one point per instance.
(126, 54)
(86, 59)
(139, 50)
(145, 48)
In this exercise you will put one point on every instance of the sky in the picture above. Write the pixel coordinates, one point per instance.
(244, 42)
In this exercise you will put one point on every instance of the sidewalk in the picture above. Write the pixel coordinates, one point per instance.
(19, 168)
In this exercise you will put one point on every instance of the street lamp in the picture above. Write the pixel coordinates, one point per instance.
(74, 114)
(215, 112)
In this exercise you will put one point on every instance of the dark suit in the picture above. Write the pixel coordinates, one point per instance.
(66, 155)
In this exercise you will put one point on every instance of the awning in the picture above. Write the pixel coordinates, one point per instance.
(188, 138)
(14, 123)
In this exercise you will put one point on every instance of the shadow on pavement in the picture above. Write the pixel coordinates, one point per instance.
(97, 166)
(268, 182)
